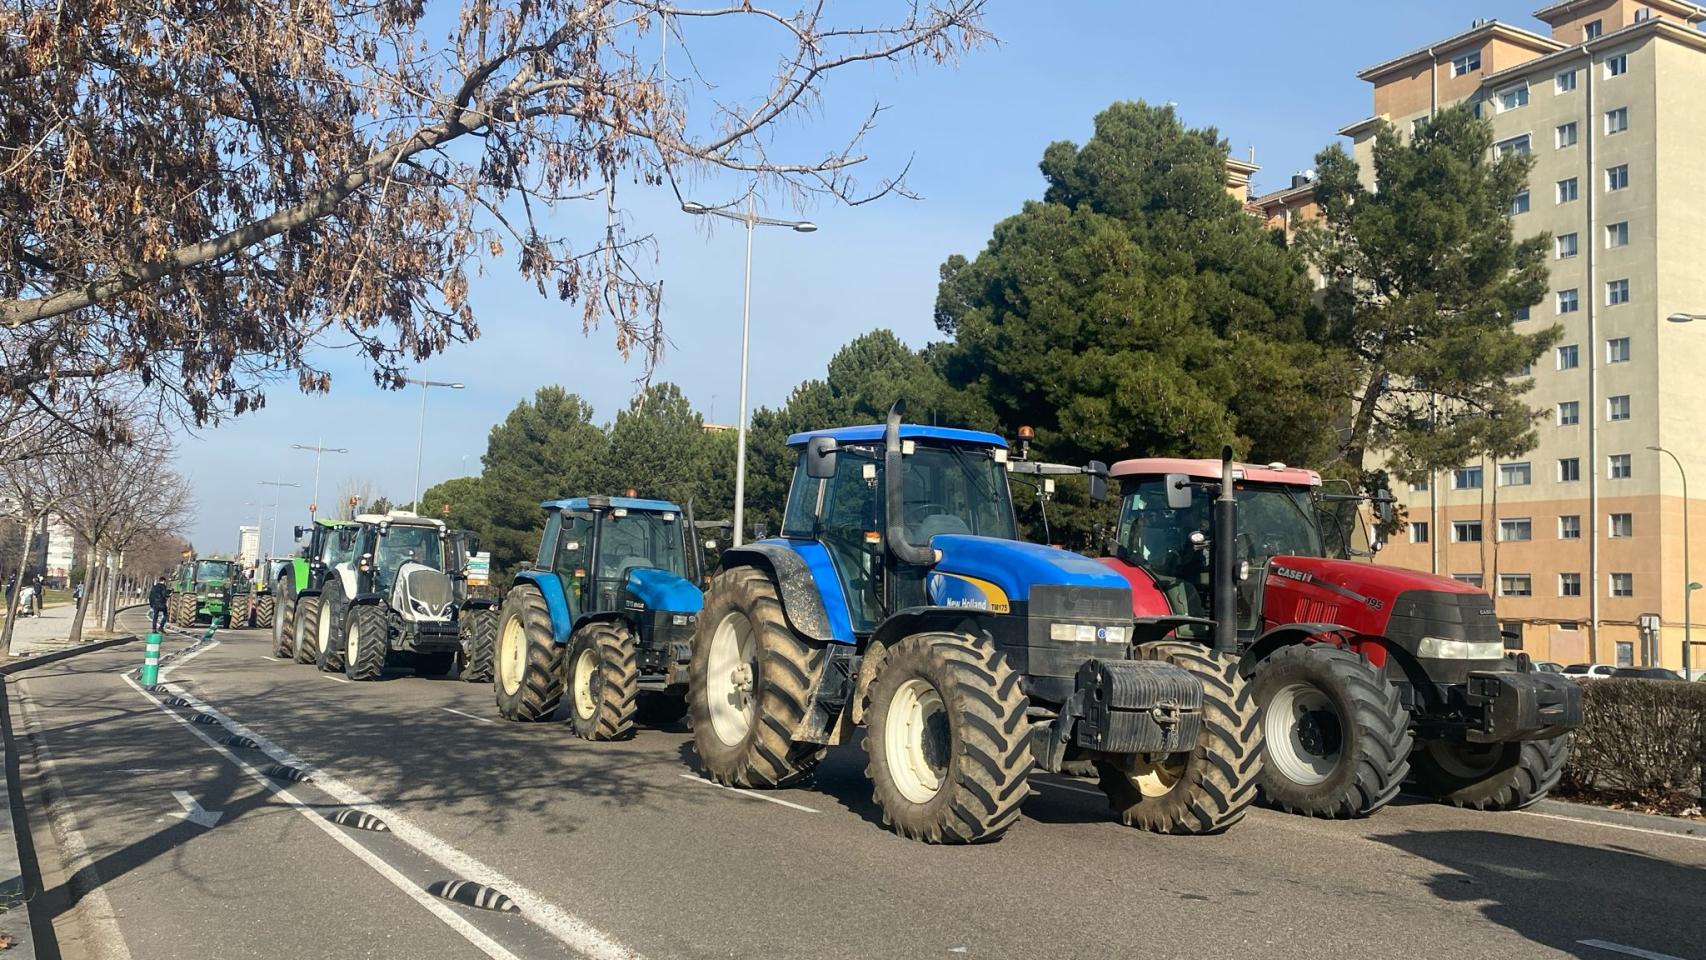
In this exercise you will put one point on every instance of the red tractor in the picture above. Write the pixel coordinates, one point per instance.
(1365, 674)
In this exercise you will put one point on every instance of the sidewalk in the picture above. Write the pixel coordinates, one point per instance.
(47, 633)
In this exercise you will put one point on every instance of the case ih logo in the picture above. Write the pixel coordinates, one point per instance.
(1303, 576)
(1300, 576)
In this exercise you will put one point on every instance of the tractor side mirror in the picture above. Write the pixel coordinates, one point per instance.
(1383, 507)
(1098, 481)
(820, 457)
(299, 532)
(1179, 491)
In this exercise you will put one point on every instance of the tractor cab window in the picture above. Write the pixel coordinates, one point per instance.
(339, 546)
(206, 570)
(799, 518)
(850, 511)
(400, 545)
(630, 540)
(574, 547)
(955, 490)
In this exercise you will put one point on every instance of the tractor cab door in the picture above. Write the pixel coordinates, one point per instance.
(850, 518)
(1172, 545)
(571, 553)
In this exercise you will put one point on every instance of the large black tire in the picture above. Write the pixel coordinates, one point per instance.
(263, 610)
(602, 674)
(528, 671)
(329, 627)
(1337, 735)
(306, 645)
(947, 739)
(743, 731)
(656, 709)
(1207, 789)
(237, 613)
(184, 615)
(1494, 776)
(284, 629)
(365, 642)
(479, 637)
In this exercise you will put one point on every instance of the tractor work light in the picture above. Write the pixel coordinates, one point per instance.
(1085, 633)
(1439, 648)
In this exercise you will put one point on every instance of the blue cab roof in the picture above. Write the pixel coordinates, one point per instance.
(873, 433)
(625, 503)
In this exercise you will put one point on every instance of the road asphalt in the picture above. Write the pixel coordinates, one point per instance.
(621, 850)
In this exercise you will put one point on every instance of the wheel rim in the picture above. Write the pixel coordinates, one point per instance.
(586, 666)
(1465, 761)
(1156, 774)
(915, 740)
(731, 671)
(298, 633)
(323, 627)
(352, 644)
(512, 654)
(1304, 733)
(277, 625)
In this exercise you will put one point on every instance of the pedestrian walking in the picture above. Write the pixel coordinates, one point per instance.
(77, 595)
(157, 606)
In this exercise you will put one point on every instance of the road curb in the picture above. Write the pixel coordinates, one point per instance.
(20, 874)
(27, 663)
(1621, 818)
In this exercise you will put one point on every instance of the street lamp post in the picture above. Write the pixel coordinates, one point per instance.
(318, 448)
(420, 434)
(751, 219)
(272, 548)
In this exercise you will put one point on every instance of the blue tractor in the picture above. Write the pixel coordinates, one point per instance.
(899, 598)
(606, 614)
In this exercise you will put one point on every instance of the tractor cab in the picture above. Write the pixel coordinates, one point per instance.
(384, 547)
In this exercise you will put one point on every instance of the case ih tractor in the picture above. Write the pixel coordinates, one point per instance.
(607, 613)
(898, 598)
(1364, 673)
(202, 589)
(296, 587)
(398, 592)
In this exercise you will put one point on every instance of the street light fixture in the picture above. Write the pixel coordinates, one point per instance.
(318, 448)
(751, 219)
(272, 550)
(1685, 317)
(420, 435)
(1689, 586)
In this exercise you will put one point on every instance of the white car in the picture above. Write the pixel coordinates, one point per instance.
(1588, 671)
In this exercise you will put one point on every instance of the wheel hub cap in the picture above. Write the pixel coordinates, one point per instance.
(730, 672)
(1304, 733)
(916, 743)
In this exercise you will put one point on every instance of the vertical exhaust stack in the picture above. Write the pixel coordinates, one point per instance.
(894, 501)
(1226, 560)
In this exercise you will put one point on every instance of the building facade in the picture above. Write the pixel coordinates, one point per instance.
(1584, 551)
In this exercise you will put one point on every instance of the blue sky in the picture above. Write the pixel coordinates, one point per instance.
(1278, 76)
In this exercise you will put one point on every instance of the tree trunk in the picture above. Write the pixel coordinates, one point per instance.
(112, 595)
(17, 589)
(1356, 445)
(88, 596)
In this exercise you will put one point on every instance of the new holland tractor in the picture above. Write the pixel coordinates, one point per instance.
(606, 614)
(1365, 674)
(296, 587)
(899, 598)
(397, 594)
(201, 590)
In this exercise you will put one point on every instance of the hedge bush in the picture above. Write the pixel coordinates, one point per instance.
(1642, 742)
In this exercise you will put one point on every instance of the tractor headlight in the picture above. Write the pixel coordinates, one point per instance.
(680, 619)
(1083, 633)
(1439, 648)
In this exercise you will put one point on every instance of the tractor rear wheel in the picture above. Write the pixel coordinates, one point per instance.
(748, 683)
(528, 669)
(1490, 776)
(659, 709)
(1208, 788)
(264, 608)
(284, 629)
(184, 614)
(329, 628)
(365, 642)
(479, 637)
(307, 645)
(237, 613)
(603, 674)
(1337, 736)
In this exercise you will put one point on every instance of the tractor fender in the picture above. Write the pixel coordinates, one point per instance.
(898, 627)
(806, 583)
(556, 601)
(602, 616)
(1376, 650)
(477, 603)
(368, 599)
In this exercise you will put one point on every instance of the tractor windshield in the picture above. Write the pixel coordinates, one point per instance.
(207, 571)
(402, 545)
(629, 539)
(338, 545)
(956, 490)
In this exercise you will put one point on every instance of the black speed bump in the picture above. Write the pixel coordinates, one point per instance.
(360, 821)
(280, 771)
(247, 743)
(176, 702)
(471, 894)
(206, 719)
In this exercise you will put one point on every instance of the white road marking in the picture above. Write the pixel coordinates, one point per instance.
(576, 933)
(1631, 951)
(327, 676)
(1068, 786)
(754, 794)
(273, 659)
(1613, 826)
(468, 715)
(194, 812)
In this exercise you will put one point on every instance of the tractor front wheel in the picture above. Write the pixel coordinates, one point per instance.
(329, 628)
(479, 637)
(748, 683)
(528, 673)
(947, 739)
(306, 629)
(1337, 735)
(1490, 776)
(603, 674)
(264, 608)
(366, 642)
(1208, 788)
(284, 629)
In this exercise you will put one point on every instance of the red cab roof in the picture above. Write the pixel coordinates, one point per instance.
(1210, 470)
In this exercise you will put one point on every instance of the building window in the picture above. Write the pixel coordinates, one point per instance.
(1516, 585)
(1617, 178)
(1466, 478)
(1616, 292)
(1569, 584)
(1568, 190)
(1622, 525)
(1616, 121)
(1468, 63)
(1592, 29)
(1566, 135)
(1570, 527)
(1569, 356)
(1515, 474)
(1617, 408)
(1523, 145)
(1564, 82)
(1522, 314)
(1617, 350)
(1569, 469)
(1466, 531)
(1519, 203)
(1621, 466)
(1516, 529)
(1527, 368)
(1420, 486)
(1616, 66)
(1622, 584)
(1569, 413)
(1418, 533)
(1473, 579)
(1617, 235)
(1513, 98)
(1568, 245)
(1569, 301)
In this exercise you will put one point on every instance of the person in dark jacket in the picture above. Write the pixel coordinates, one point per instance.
(157, 605)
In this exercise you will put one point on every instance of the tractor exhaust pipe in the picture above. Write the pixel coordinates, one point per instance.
(894, 501)
(1226, 560)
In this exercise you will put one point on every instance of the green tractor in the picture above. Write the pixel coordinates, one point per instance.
(201, 589)
(296, 584)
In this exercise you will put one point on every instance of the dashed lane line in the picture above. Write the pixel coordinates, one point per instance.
(468, 715)
(1613, 826)
(1629, 951)
(1068, 786)
(327, 676)
(749, 793)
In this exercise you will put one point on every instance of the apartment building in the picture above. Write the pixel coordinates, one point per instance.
(1588, 529)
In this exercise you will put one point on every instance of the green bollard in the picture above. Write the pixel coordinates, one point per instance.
(151, 662)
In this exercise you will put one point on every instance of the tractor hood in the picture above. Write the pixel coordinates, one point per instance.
(986, 572)
(661, 590)
(1363, 582)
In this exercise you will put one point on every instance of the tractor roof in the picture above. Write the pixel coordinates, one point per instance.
(334, 524)
(1210, 470)
(873, 433)
(621, 503)
(400, 518)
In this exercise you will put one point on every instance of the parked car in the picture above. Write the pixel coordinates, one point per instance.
(1588, 671)
(1548, 666)
(1645, 673)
